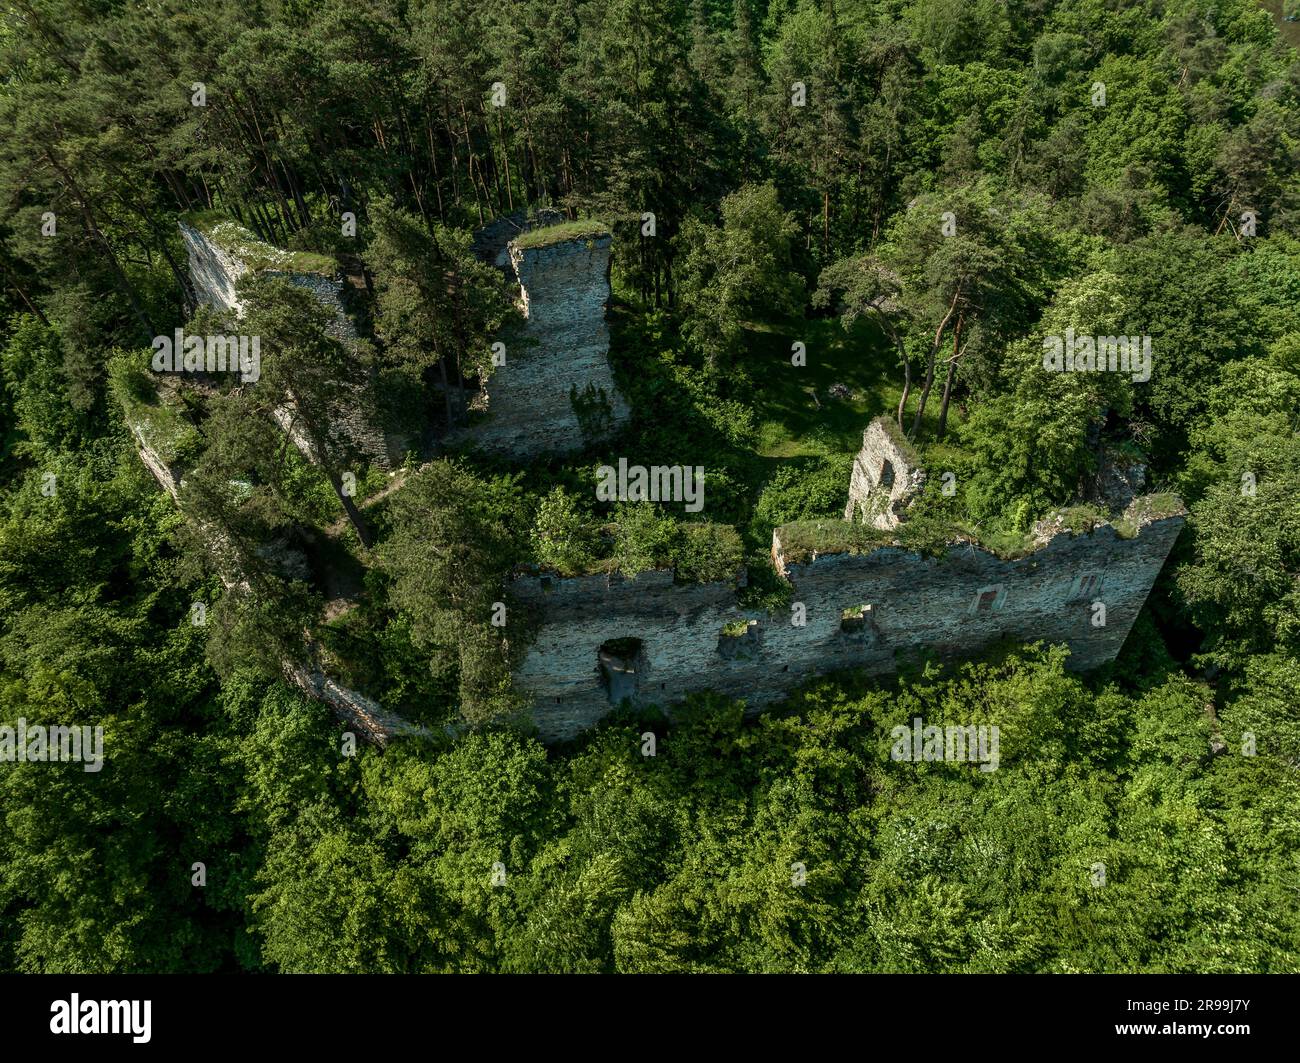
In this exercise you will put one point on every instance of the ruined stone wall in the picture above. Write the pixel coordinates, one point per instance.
(884, 479)
(214, 272)
(560, 670)
(492, 241)
(563, 344)
(953, 605)
(366, 716)
(168, 476)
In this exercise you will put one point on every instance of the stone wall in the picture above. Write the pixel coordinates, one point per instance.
(214, 273)
(168, 476)
(561, 349)
(366, 717)
(492, 241)
(563, 346)
(885, 476)
(895, 600)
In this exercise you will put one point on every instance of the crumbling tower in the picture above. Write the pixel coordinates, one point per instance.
(886, 476)
(555, 392)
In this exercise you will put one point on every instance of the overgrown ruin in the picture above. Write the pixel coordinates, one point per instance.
(887, 474)
(553, 391)
(861, 596)
(853, 605)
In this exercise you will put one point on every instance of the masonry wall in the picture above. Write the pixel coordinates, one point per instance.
(883, 480)
(560, 670)
(168, 476)
(563, 344)
(214, 272)
(953, 605)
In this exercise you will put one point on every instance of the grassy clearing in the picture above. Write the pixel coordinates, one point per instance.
(796, 413)
(792, 423)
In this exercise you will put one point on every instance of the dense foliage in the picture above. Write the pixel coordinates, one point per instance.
(1115, 167)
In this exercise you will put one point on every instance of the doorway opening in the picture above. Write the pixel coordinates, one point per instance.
(621, 664)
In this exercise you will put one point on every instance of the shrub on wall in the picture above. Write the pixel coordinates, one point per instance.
(564, 538)
(707, 553)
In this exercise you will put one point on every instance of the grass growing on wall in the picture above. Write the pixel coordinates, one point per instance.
(548, 235)
(243, 244)
(158, 418)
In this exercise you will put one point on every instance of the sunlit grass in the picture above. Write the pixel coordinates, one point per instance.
(797, 414)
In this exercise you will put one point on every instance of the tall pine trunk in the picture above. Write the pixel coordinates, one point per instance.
(947, 384)
(929, 364)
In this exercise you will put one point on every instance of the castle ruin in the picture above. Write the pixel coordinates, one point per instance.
(887, 474)
(554, 392)
(221, 253)
(851, 607)
(859, 597)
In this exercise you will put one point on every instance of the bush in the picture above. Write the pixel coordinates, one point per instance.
(707, 553)
(644, 539)
(802, 491)
(564, 538)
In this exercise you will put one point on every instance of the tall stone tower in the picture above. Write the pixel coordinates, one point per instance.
(555, 391)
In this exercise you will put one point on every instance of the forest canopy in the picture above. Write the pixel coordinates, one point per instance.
(909, 195)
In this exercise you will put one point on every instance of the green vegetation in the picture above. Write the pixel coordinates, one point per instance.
(802, 541)
(1146, 509)
(549, 235)
(738, 269)
(567, 540)
(436, 305)
(706, 553)
(1081, 519)
(1157, 507)
(949, 195)
(159, 419)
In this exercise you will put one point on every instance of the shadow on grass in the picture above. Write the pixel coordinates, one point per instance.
(796, 411)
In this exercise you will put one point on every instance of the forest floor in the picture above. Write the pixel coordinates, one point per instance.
(798, 415)
(797, 412)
